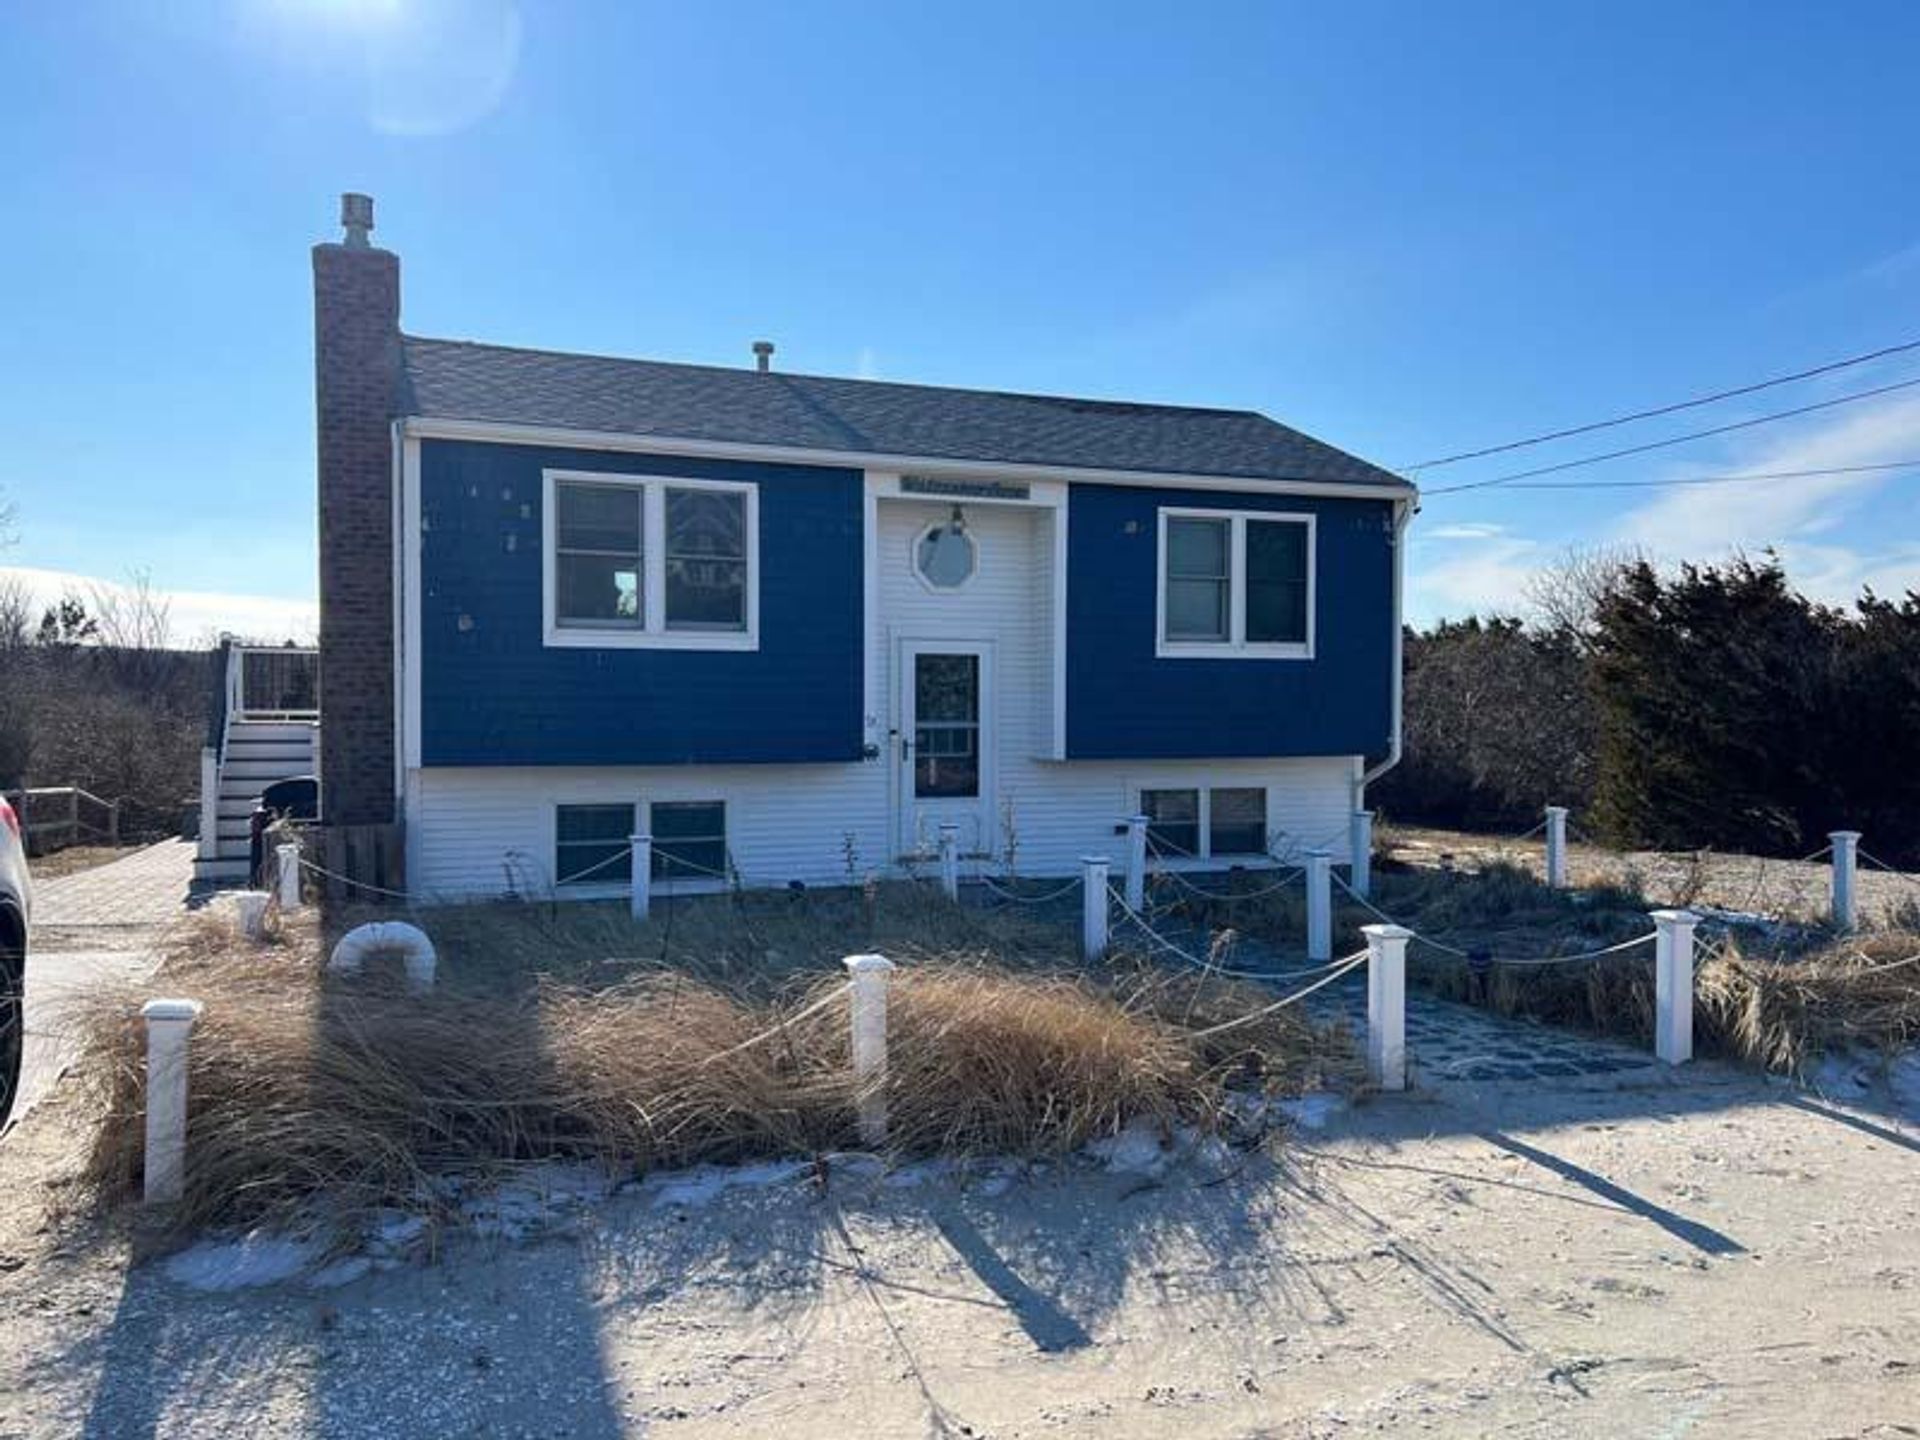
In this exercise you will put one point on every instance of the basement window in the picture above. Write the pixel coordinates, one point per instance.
(593, 845)
(1206, 824)
(689, 839)
(650, 561)
(1235, 584)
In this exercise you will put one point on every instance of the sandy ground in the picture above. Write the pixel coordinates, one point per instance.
(1792, 889)
(1722, 1256)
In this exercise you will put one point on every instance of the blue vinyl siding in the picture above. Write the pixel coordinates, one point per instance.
(1124, 703)
(492, 693)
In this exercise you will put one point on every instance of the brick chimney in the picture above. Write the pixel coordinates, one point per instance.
(356, 369)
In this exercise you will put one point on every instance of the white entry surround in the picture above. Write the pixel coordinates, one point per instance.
(487, 831)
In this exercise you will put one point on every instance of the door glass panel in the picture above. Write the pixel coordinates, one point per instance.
(946, 721)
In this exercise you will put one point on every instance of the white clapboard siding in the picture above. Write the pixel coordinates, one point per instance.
(491, 831)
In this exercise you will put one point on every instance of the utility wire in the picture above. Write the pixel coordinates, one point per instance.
(1700, 479)
(1667, 409)
(1673, 440)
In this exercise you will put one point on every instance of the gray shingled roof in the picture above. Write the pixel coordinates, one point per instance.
(459, 380)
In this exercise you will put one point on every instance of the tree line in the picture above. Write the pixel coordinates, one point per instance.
(92, 695)
(1705, 706)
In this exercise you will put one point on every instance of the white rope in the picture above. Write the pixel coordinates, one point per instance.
(1204, 893)
(767, 1034)
(1019, 899)
(1207, 965)
(1886, 869)
(1583, 955)
(306, 864)
(1456, 951)
(1352, 962)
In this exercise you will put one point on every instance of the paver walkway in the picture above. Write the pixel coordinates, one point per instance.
(92, 927)
(143, 891)
(1446, 1041)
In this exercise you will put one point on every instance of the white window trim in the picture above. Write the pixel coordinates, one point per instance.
(1236, 646)
(653, 564)
(1204, 858)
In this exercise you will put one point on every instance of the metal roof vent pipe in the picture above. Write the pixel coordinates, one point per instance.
(356, 218)
(763, 355)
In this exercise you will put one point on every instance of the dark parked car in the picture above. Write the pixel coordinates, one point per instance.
(16, 908)
(297, 798)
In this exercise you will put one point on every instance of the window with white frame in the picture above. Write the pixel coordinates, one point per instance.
(1235, 583)
(1195, 823)
(689, 839)
(593, 845)
(651, 560)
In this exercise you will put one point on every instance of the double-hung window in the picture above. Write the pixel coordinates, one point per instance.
(641, 560)
(1235, 583)
(1206, 824)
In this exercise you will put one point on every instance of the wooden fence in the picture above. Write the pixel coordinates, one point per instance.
(55, 817)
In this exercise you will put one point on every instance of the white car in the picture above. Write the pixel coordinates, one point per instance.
(16, 908)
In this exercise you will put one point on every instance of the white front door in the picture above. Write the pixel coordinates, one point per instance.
(946, 744)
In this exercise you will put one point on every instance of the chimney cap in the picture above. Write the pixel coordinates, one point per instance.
(763, 355)
(356, 218)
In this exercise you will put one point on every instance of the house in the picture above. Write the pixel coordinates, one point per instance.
(790, 625)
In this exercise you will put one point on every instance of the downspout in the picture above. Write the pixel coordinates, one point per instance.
(1402, 515)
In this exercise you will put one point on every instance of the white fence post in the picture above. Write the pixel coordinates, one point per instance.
(1319, 905)
(869, 1007)
(169, 1022)
(1673, 985)
(288, 858)
(209, 803)
(1360, 840)
(1137, 863)
(950, 859)
(1387, 1004)
(1846, 855)
(250, 912)
(1093, 906)
(1557, 847)
(642, 877)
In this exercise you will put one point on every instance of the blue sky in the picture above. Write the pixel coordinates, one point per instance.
(1409, 229)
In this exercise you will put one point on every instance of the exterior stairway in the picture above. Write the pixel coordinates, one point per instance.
(264, 727)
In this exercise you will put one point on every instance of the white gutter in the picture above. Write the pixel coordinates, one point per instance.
(1402, 516)
(428, 428)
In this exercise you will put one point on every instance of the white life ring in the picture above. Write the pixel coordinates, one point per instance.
(415, 950)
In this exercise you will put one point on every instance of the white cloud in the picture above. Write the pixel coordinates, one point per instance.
(195, 617)
(1690, 519)
(1478, 573)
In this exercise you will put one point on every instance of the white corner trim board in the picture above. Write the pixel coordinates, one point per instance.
(383, 937)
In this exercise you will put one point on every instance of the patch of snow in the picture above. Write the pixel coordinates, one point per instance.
(912, 1177)
(340, 1272)
(1136, 1150)
(254, 1259)
(707, 1183)
(1842, 1075)
(1311, 1112)
(1904, 1080)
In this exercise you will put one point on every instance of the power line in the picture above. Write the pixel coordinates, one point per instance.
(1674, 439)
(1674, 408)
(1701, 479)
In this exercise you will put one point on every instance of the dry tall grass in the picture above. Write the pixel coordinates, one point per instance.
(339, 1096)
(1778, 1009)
